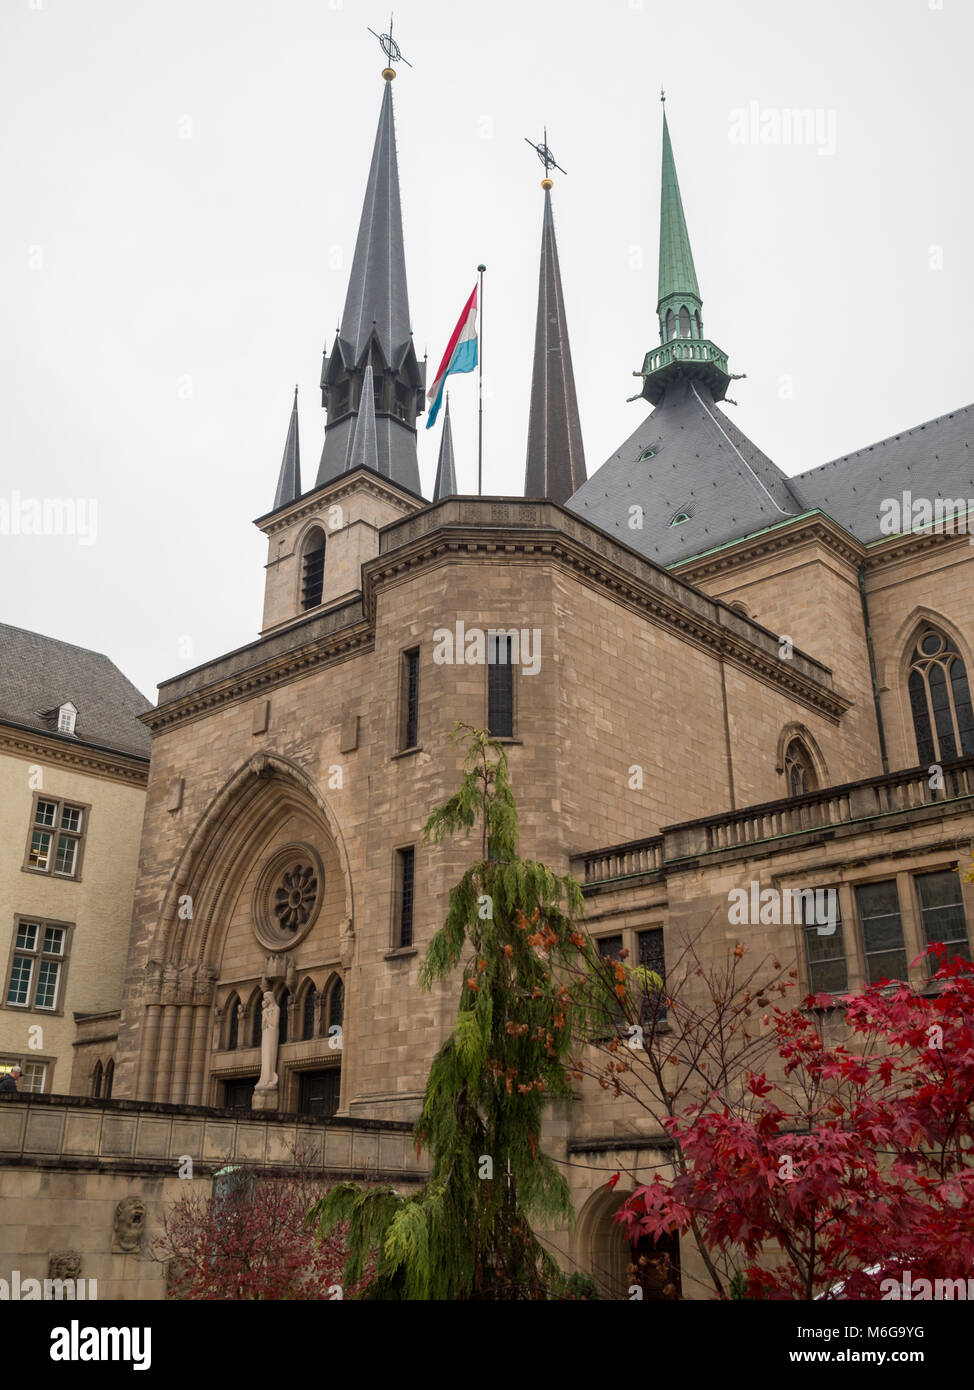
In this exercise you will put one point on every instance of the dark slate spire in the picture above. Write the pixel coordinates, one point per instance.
(377, 301)
(556, 460)
(446, 473)
(289, 483)
(684, 352)
(375, 330)
(364, 449)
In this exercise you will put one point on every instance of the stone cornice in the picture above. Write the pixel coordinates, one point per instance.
(785, 536)
(893, 550)
(93, 762)
(605, 566)
(275, 669)
(331, 493)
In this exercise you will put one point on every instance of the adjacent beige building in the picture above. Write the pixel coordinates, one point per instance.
(73, 771)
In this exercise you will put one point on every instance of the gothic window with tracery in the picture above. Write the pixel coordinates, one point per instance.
(799, 769)
(940, 699)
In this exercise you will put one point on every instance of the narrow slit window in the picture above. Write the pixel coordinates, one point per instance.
(500, 687)
(405, 870)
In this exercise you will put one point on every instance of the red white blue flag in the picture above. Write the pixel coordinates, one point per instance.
(460, 356)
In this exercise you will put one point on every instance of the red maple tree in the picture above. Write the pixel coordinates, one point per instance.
(252, 1240)
(853, 1167)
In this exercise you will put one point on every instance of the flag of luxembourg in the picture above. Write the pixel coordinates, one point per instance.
(460, 356)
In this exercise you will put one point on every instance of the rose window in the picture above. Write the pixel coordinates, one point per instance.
(294, 900)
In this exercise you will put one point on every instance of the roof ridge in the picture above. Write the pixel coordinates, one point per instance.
(897, 435)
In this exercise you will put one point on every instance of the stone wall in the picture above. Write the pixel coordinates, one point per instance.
(66, 1163)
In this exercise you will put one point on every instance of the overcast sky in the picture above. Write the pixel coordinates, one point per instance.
(181, 188)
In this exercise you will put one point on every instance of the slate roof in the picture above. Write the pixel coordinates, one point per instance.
(555, 465)
(703, 467)
(39, 674)
(935, 459)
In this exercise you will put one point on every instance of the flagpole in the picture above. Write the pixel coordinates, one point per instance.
(480, 362)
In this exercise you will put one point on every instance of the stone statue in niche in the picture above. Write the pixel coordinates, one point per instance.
(265, 1092)
(129, 1225)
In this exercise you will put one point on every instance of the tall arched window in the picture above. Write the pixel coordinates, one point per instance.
(256, 1002)
(109, 1080)
(96, 1081)
(799, 769)
(312, 568)
(336, 1004)
(283, 1002)
(699, 325)
(233, 1022)
(684, 322)
(308, 1012)
(670, 325)
(940, 699)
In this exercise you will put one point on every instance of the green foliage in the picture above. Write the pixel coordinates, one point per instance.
(510, 924)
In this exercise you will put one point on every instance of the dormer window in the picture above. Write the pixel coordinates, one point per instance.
(66, 718)
(680, 519)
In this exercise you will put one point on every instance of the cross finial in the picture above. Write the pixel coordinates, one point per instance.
(547, 159)
(392, 51)
(662, 95)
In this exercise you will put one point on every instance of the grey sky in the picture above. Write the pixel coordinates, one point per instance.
(182, 184)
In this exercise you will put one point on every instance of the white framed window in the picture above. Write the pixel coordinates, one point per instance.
(66, 717)
(56, 838)
(38, 966)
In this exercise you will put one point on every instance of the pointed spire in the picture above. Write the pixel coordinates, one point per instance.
(446, 473)
(684, 351)
(375, 330)
(289, 482)
(377, 299)
(364, 452)
(677, 275)
(556, 460)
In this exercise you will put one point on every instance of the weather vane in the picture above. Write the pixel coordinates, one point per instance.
(545, 155)
(390, 48)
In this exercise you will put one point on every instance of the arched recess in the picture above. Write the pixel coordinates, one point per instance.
(601, 1247)
(333, 1005)
(96, 1081)
(801, 733)
(896, 686)
(227, 835)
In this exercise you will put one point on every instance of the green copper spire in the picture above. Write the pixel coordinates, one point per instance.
(684, 351)
(677, 276)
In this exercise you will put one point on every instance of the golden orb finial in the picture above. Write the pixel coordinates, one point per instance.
(388, 73)
(546, 184)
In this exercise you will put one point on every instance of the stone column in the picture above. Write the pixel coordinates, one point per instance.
(162, 1090)
(199, 1057)
(149, 1041)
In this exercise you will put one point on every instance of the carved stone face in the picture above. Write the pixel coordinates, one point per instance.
(129, 1224)
(66, 1264)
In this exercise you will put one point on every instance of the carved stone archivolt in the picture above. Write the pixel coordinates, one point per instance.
(288, 897)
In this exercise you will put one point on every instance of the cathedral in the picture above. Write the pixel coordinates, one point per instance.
(706, 674)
